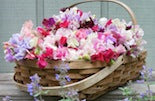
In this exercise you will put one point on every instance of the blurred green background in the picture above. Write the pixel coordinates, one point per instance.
(13, 13)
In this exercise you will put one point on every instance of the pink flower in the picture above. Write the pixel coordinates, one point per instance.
(101, 36)
(42, 63)
(61, 53)
(63, 41)
(97, 57)
(48, 53)
(98, 45)
(109, 22)
(26, 30)
(31, 55)
(104, 56)
(64, 24)
(81, 34)
(95, 28)
(108, 55)
(120, 49)
(43, 32)
(79, 11)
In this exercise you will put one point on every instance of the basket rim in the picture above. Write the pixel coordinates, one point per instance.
(81, 64)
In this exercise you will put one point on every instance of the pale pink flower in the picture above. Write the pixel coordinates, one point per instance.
(26, 30)
(120, 49)
(81, 34)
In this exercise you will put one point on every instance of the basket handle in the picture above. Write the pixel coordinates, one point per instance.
(128, 9)
(83, 84)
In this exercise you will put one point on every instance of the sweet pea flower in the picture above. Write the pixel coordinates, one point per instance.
(103, 21)
(64, 24)
(43, 32)
(118, 23)
(34, 42)
(26, 30)
(18, 49)
(60, 53)
(72, 42)
(49, 41)
(9, 55)
(81, 34)
(41, 63)
(63, 41)
(120, 49)
(63, 32)
(48, 22)
(85, 16)
(73, 54)
(98, 45)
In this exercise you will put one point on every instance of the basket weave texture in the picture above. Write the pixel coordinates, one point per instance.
(129, 70)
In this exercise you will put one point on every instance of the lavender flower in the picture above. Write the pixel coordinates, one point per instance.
(34, 87)
(73, 95)
(142, 95)
(9, 56)
(18, 48)
(7, 98)
(62, 77)
(146, 73)
(126, 99)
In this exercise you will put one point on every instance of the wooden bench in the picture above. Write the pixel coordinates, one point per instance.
(8, 88)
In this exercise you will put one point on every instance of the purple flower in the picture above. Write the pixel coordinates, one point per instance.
(126, 99)
(14, 39)
(34, 87)
(140, 81)
(142, 95)
(68, 78)
(57, 76)
(7, 98)
(85, 16)
(111, 38)
(48, 22)
(9, 56)
(73, 95)
(62, 77)
(18, 48)
(146, 73)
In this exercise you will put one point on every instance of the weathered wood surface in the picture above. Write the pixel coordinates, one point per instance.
(7, 87)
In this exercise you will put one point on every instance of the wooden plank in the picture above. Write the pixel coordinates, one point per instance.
(7, 87)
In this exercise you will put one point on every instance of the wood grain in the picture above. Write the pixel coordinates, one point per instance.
(7, 87)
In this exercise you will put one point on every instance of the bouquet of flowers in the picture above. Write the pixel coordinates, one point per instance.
(75, 35)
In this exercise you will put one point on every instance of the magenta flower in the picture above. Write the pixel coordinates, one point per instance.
(48, 22)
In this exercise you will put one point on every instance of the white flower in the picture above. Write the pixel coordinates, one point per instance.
(72, 42)
(34, 42)
(118, 23)
(103, 21)
(49, 41)
(73, 54)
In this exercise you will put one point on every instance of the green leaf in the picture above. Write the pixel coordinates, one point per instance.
(37, 50)
(44, 92)
(37, 94)
(65, 100)
(112, 61)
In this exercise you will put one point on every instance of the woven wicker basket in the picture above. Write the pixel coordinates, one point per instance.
(91, 79)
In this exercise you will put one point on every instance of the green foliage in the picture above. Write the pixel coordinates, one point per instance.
(65, 100)
(126, 91)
